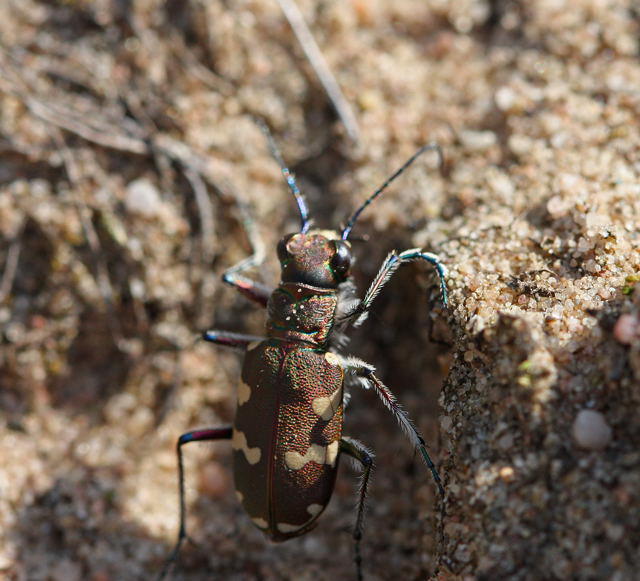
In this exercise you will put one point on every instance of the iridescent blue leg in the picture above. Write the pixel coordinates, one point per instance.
(360, 453)
(229, 339)
(223, 433)
(415, 254)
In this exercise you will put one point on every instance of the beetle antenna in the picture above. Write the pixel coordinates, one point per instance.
(288, 176)
(383, 187)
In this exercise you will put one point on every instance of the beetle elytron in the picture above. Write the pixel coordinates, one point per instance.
(287, 436)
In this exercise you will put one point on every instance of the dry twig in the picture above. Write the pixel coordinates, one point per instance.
(11, 265)
(205, 211)
(320, 66)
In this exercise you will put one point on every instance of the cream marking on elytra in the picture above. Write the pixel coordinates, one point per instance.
(284, 527)
(326, 406)
(244, 393)
(239, 442)
(332, 453)
(313, 509)
(260, 523)
(332, 358)
(239, 496)
(315, 453)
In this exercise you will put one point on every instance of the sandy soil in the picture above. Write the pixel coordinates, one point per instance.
(128, 155)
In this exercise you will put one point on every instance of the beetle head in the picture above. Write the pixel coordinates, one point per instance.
(317, 258)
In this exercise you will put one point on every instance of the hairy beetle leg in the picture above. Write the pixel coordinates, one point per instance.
(365, 371)
(407, 425)
(359, 452)
(388, 268)
(209, 434)
(229, 339)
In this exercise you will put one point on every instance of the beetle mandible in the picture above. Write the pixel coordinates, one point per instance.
(287, 435)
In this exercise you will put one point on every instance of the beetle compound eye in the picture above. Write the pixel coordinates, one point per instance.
(283, 252)
(341, 260)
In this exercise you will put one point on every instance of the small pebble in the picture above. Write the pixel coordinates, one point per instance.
(505, 98)
(143, 198)
(591, 431)
(507, 473)
(478, 140)
(626, 329)
(557, 207)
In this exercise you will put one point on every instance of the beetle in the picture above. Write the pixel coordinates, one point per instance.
(287, 434)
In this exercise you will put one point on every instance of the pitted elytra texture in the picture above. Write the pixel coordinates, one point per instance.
(299, 448)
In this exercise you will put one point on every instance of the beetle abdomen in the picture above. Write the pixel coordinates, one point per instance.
(285, 470)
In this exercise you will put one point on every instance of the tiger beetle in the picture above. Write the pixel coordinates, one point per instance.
(287, 436)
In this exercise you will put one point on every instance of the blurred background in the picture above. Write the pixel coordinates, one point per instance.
(128, 152)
